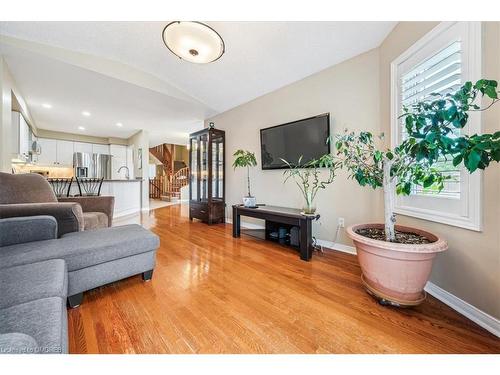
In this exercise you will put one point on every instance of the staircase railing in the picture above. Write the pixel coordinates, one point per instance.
(167, 186)
(156, 188)
(176, 182)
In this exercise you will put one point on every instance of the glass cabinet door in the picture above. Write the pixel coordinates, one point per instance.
(204, 167)
(193, 188)
(217, 168)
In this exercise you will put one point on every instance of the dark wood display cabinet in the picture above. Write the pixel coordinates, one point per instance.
(207, 183)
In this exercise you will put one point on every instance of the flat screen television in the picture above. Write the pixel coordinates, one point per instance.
(306, 138)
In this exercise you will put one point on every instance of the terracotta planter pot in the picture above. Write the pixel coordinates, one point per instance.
(396, 273)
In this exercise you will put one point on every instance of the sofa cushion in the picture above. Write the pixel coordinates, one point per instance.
(17, 343)
(28, 282)
(84, 249)
(15, 230)
(95, 220)
(44, 319)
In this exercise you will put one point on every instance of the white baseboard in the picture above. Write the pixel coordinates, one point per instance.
(125, 213)
(479, 317)
(329, 245)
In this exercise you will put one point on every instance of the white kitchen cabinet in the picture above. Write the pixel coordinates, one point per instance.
(48, 154)
(20, 137)
(82, 147)
(64, 155)
(100, 149)
(55, 152)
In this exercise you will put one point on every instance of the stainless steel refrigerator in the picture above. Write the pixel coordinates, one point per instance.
(92, 165)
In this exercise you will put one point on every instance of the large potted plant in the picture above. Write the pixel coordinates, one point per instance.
(246, 159)
(396, 261)
(309, 180)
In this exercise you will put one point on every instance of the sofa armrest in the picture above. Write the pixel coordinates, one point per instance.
(104, 204)
(69, 216)
(16, 230)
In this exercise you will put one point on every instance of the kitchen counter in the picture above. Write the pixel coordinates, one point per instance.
(124, 180)
(127, 195)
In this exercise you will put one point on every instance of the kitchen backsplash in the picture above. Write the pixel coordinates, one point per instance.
(53, 172)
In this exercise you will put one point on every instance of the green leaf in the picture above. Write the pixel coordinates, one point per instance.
(495, 155)
(473, 160)
(428, 181)
(430, 137)
(457, 160)
(491, 92)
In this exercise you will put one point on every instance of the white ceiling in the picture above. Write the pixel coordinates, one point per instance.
(260, 57)
(71, 90)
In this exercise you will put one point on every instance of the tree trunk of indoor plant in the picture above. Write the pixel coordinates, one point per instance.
(249, 201)
(389, 193)
(248, 181)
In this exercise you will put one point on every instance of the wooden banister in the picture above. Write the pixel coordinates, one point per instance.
(169, 186)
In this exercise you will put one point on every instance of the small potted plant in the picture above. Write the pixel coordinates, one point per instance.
(396, 261)
(246, 159)
(307, 177)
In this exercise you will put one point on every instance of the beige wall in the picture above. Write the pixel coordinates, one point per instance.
(349, 91)
(470, 269)
(181, 153)
(140, 140)
(357, 95)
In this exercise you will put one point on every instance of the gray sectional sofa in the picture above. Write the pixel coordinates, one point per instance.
(40, 273)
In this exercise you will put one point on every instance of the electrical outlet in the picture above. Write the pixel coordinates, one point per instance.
(341, 222)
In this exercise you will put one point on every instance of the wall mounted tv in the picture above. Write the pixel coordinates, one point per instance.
(306, 137)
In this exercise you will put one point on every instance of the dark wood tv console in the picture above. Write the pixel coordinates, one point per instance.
(279, 215)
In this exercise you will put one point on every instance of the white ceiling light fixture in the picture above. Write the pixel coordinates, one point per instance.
(47, 105)
(86, 113)
(81, 128)
(193, 41)
(119, 124)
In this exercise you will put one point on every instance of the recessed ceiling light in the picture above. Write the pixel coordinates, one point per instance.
(81, 128)
(86, 113)
(193, 41)
(119, 124)
(47, 105)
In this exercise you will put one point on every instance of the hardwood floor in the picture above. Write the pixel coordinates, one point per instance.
(211, 293)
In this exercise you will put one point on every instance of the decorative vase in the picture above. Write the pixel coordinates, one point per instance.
(396, 273)
(249, 201)
(309, 207)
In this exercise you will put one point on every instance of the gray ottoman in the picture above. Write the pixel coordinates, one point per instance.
(93, 258)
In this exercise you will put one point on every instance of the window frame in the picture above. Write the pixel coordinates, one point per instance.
(468, 210)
